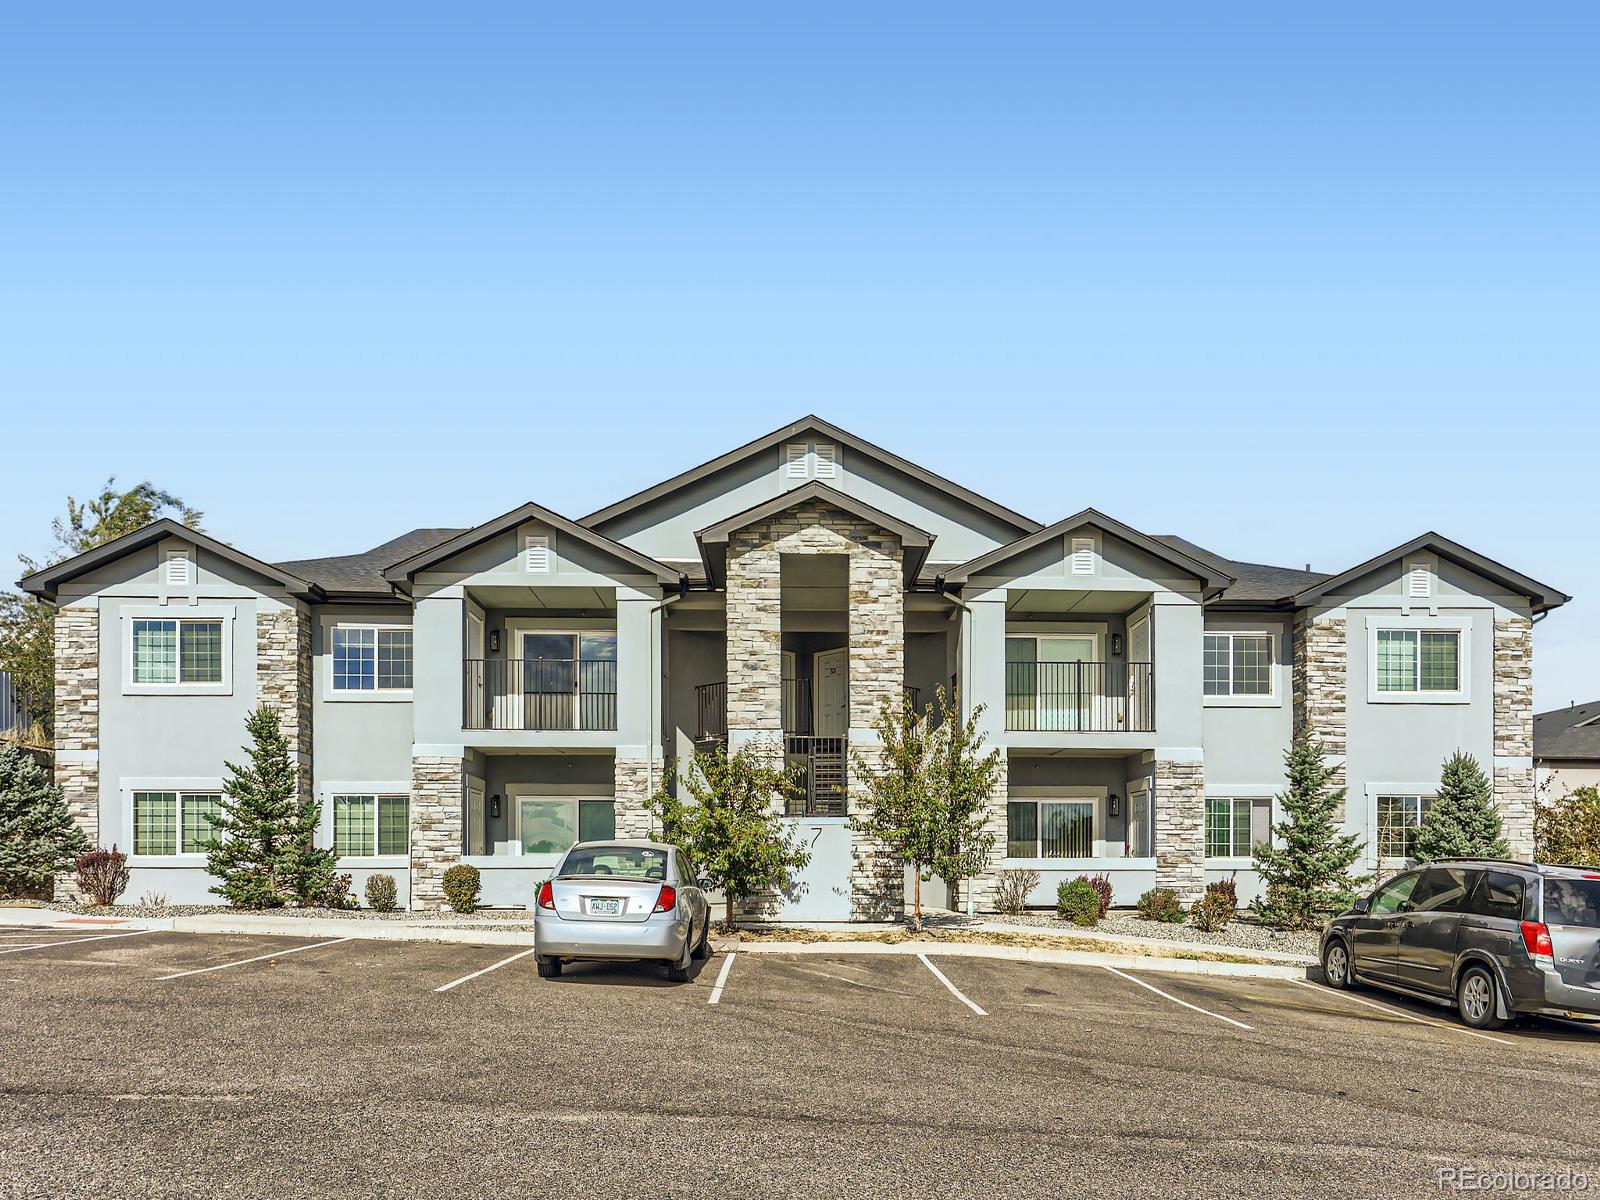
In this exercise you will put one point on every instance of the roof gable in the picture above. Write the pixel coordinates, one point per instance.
(1210, 576)
(1541, 597)
(404, 571)
(812, 425)
(47, 582)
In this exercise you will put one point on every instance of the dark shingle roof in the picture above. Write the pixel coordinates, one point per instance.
(362, 574)
(1253, 582)
(1572, 732)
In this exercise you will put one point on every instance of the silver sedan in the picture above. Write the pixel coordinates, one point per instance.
(626, 899)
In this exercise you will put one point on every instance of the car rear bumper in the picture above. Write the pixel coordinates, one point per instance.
(659, 937)
(1559, 997)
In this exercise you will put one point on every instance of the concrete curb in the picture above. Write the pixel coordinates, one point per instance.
(1086, 958)
(332, 927)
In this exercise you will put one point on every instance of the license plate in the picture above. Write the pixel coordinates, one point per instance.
(600, 906)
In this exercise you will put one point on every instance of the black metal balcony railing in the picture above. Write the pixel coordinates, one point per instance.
(1080, 697)
(819, 767)
(711, 708)
(539, 694)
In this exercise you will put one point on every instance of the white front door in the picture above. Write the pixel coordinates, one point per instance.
(1139, 693)
(830, 683)
(477, 819)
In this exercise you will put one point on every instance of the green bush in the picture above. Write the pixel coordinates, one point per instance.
(1212, 911)
(1161, 904)
(1226, 887)
(336, 894)
(1102, 888)
(1078, 902)
(382, 893)
(461, 885)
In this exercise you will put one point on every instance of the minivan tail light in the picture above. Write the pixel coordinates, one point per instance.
(668, 900)
(1536, 937)
(547, 895)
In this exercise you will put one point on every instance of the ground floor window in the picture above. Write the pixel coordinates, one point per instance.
(1050, 829)
(173, 822)
(1399, 818)
(1233, 827)
(367, 825)
(551, 824)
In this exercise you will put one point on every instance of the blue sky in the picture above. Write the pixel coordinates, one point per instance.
(1295, 283)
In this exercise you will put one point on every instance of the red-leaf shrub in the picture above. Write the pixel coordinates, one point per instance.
(1102, 886)
(103, 874)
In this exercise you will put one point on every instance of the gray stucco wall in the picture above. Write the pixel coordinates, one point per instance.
(1245, 737)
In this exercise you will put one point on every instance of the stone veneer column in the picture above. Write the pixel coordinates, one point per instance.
(1321, 687)
(437, 803)
(754, 621)
(983, 884)
(631, 789)
(1180, 822)
(1513, 732)
(283, 679)
(77, 725)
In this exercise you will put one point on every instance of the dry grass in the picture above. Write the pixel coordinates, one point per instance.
(1031, 941)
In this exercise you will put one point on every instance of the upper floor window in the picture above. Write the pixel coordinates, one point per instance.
(1238, 664)
(1399, 818)
(169, 651)
(1419, 660)
(369, 658)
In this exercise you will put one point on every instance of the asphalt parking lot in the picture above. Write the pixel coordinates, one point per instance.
(180, 1064)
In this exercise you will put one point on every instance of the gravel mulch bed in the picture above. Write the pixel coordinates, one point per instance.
(1241, 934)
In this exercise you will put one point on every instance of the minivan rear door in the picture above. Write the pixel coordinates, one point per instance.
(1572, 914)
(1425, 954)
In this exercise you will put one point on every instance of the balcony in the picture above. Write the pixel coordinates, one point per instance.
(537, 695)
(1080, 697)
(711, 709)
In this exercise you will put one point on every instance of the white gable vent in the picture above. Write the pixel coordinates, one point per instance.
(1082, 556)
(827, 467)
(1419, 580)
(796, 460)
(178, 568)
(536, 554)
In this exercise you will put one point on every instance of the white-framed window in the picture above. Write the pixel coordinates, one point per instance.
(1054, 681)
(546, 824)
(368, 825)
(371, 658)
(563, 679)
(1418, 661)
(1399, 818)
(1234, 826)
(1052, 828)
(167, 653)
(1237, 664)
(173, 822)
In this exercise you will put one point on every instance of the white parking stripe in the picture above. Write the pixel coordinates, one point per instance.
(98, 937)
(244, 962)
(954, 991)
(722, 978)
(1175, 1000)
(1397, 1012)
(485, 971)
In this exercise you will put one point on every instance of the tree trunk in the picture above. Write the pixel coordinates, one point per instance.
(916, 891)
(727, 912)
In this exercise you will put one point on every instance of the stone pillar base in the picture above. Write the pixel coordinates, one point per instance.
(1180, 822)
(437, 807)
(1514, 797)
(635, 780)
(982, 886)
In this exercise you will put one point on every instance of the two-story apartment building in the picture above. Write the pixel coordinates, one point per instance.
(490, 695)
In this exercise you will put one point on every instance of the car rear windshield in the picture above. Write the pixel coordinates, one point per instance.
(628, 862)
(1572, 902)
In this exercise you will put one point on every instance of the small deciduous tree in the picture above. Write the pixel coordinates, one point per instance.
(929, 786)
(1310, 874)
(729, 825)
(1567, 829)
(38, 837)
(1462, 821)
(263, 847)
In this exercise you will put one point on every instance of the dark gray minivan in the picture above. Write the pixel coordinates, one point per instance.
(1495, 938)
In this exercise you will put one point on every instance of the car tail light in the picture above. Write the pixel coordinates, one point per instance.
(1536, 937)
(547, 895)
(668, 900)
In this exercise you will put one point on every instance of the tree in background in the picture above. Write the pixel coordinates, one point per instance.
(38, 837)
(263, 846)
(27, 625)
(1567, 830)
(730, 826)
(1462, 821)
(1309, 876)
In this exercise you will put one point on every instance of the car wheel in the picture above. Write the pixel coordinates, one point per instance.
(549, 968)
(678, 971)
(702, 948)
(1476, 997)
(1336, 964)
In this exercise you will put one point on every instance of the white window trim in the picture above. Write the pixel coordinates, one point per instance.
(377, 695)
(1272, 698)
(1067, 794)
(1459, 625)
(1369, 836)
(202, 785)
(517, 793)
(361, 787)
(1235, 862)
(1055, 631)
(200, 612)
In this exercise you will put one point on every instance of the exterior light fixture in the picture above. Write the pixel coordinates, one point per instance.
(1116, 643)
(494, 641)
(1114, 802)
